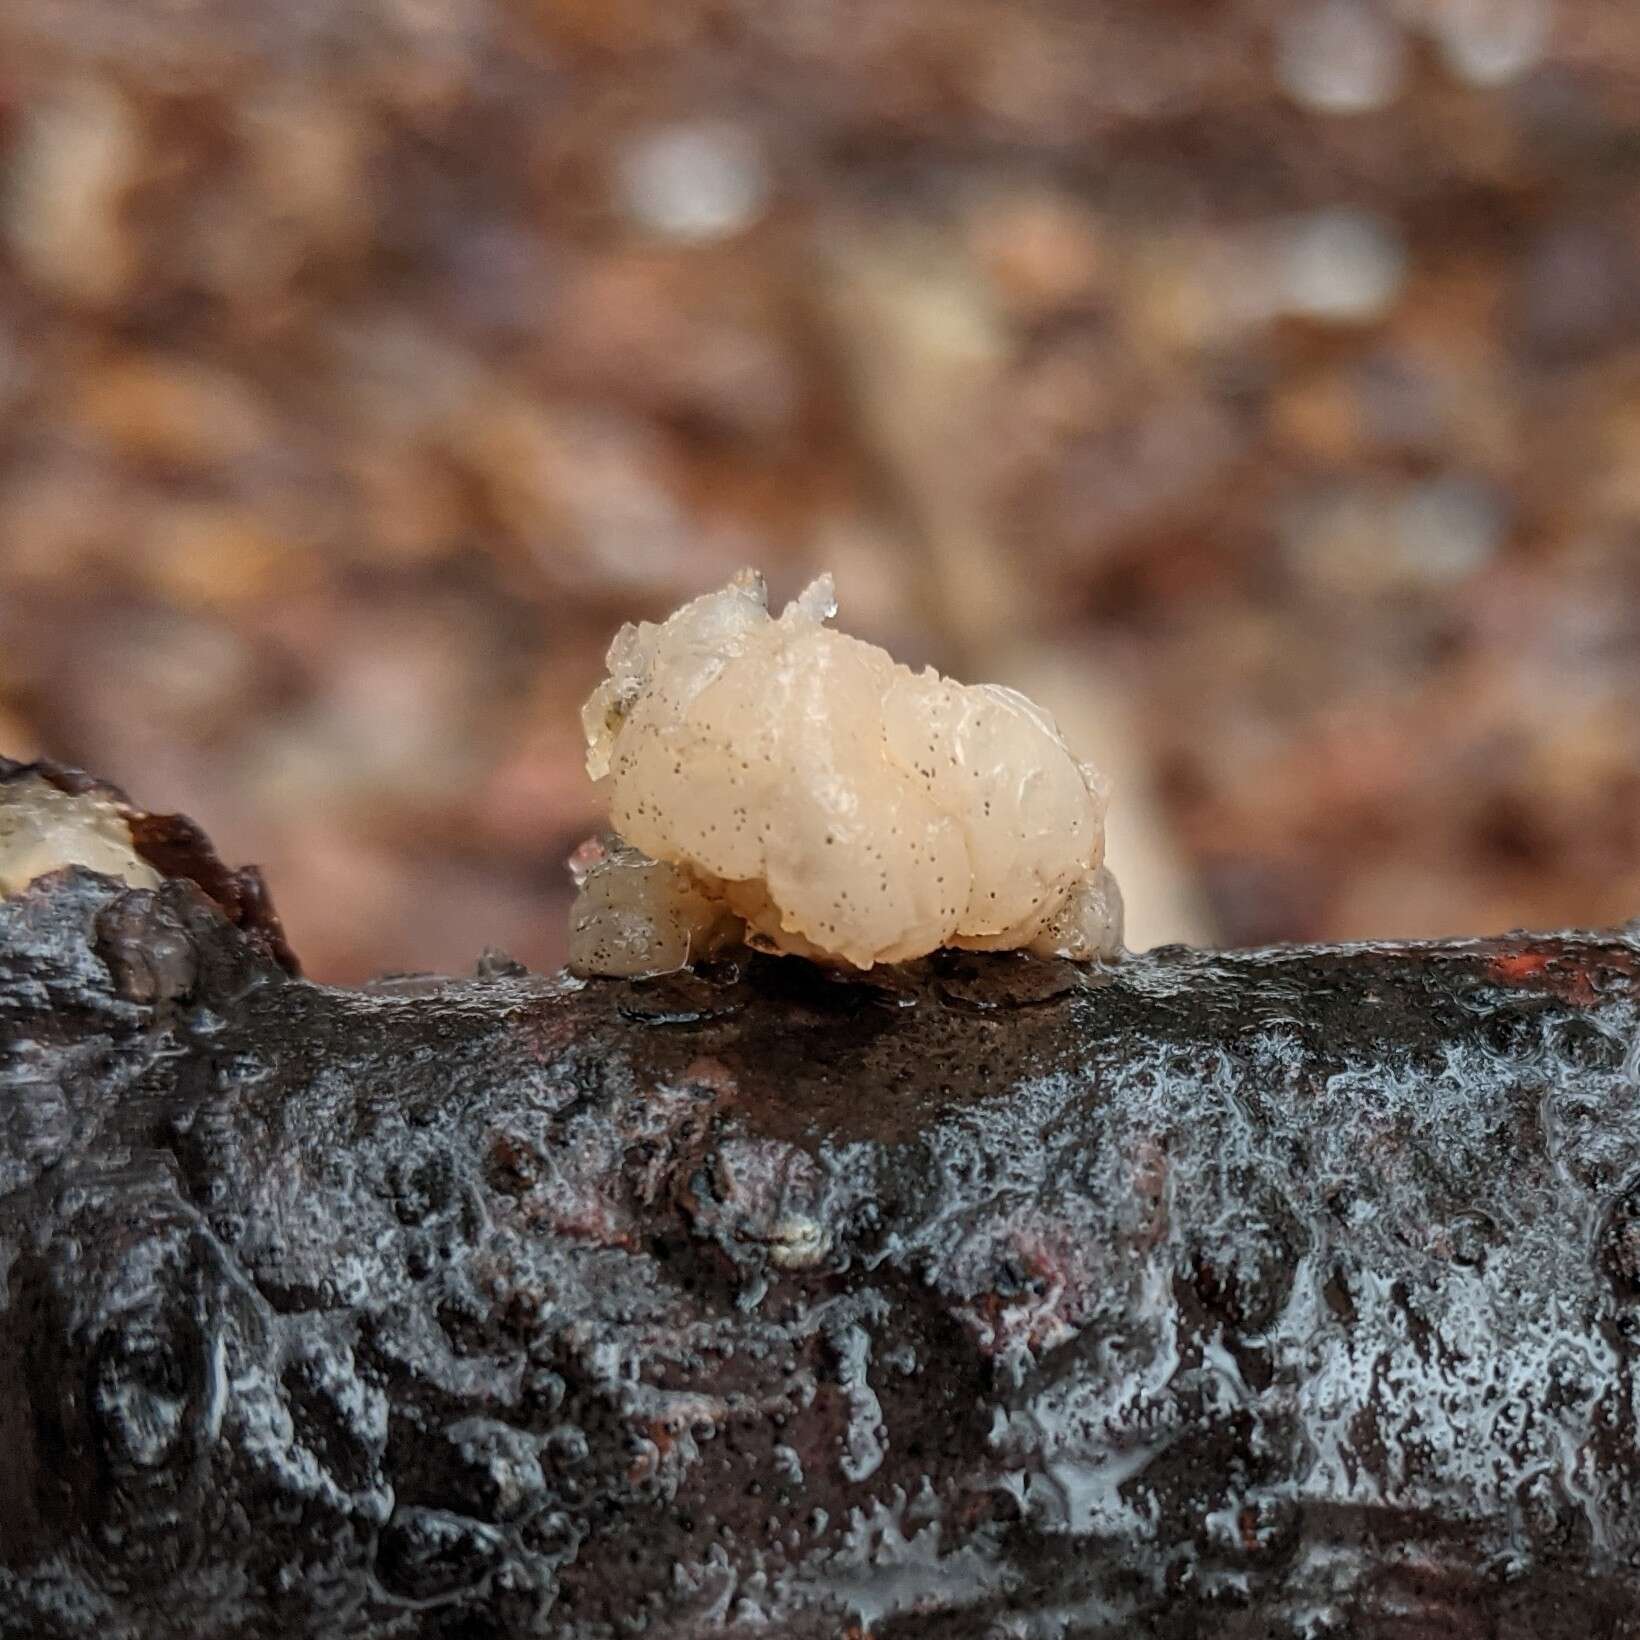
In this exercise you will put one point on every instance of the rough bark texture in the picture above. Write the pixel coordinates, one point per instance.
(1281, 1293)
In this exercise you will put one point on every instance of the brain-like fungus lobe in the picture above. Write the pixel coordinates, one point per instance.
(777, 781)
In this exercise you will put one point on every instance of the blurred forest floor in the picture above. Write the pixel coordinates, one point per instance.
(1259, 381)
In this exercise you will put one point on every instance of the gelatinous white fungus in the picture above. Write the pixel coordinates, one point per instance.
(634, 915)
(781, 779)
(43, 829)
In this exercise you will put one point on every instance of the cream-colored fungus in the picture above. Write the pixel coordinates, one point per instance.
(783, 780)
(43, 829)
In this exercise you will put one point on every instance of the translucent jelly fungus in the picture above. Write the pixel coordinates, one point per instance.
(777, 781)
(43, 829)
(635, 915)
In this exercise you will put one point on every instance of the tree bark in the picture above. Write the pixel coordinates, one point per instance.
(1291, 1292)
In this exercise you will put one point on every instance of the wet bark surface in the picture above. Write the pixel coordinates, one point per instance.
(1281, 1293)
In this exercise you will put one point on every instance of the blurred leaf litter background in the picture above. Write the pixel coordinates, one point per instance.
(1257, 381)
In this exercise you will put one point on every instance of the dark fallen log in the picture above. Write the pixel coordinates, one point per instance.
(1283, 1293)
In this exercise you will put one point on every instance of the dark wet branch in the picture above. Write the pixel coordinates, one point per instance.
(1284, 1293)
